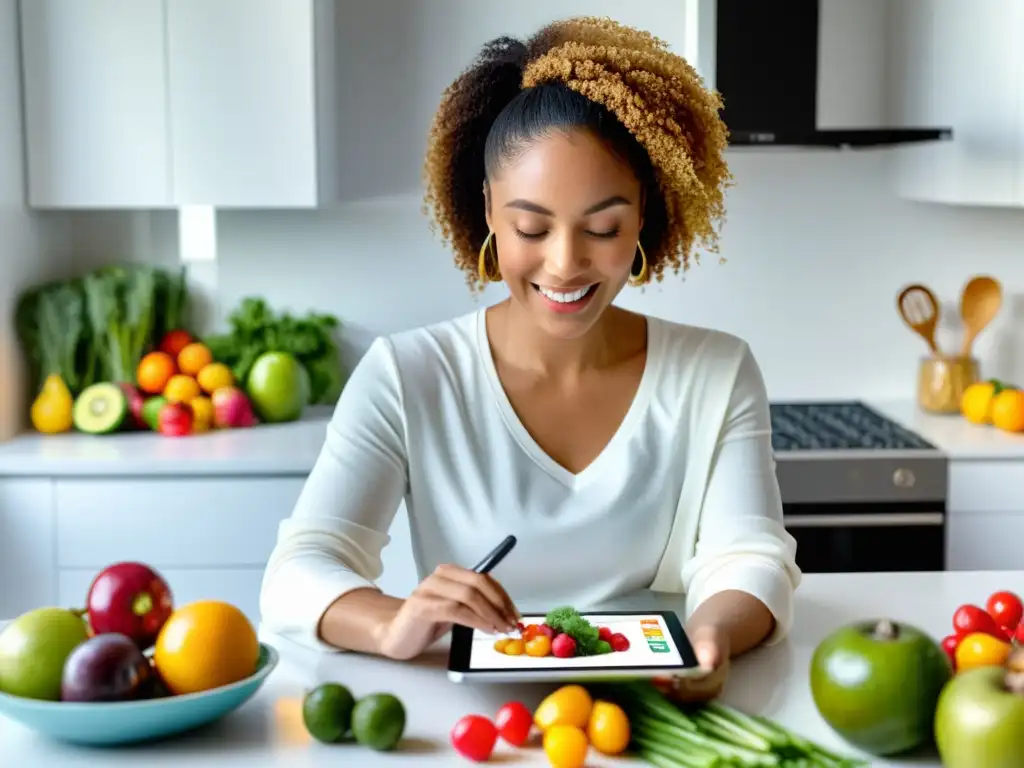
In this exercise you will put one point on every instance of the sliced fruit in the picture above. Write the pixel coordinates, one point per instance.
(100, 409)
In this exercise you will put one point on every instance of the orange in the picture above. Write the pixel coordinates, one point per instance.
(181, 389)
(205, 645)
(175, 341)
(202, 413)
(214, 376)
(154, 371)
(976, 403)
(608, 729)
(1008, 410)
(194, 357)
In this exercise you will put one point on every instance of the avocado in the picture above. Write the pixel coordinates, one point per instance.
(100, 409)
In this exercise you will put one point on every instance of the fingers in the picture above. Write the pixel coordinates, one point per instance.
(469, 600)
(485, 584)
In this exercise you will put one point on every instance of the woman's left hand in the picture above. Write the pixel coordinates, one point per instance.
(711, 646)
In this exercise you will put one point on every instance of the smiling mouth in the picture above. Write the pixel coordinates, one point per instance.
(565, 297)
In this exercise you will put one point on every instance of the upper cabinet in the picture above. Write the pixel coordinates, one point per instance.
(961, 64)
(170, 103)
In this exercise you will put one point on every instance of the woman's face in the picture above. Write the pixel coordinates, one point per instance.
(566, 217)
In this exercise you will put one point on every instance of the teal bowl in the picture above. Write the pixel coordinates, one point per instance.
(128, 722)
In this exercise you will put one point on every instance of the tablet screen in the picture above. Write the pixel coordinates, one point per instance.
(622, 640)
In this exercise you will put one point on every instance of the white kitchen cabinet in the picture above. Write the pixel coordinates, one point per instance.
(170, 103)
(960, 64)
(985, 515)
(95, 103)
(28, 568)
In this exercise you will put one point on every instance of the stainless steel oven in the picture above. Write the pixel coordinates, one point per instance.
(859, 492)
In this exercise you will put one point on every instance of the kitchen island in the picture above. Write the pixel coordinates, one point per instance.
(268, 730)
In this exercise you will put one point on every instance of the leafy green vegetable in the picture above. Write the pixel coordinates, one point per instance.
(254, 328)
(569, 621)
(711, 735)
(97, 327)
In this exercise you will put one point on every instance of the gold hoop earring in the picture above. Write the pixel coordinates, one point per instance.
(641, 277)
(487, 249)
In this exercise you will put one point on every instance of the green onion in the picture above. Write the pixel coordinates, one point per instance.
(711, 735)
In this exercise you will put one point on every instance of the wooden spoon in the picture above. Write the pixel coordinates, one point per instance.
(920, 310)
(980, 302)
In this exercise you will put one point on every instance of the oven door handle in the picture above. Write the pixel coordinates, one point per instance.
(868, 520)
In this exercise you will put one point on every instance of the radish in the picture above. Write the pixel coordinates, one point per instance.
(563, 646)
(619, 642)
(604, 633)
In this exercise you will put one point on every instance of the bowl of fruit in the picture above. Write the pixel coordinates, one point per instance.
(130, 666)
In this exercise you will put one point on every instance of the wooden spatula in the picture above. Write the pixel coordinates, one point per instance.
(980, 302)
(920, 310)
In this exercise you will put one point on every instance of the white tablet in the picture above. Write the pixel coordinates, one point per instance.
(567, 645)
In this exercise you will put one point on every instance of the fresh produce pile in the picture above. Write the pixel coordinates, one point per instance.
(889, 688)
(994, 403)
(985, 636)
(130, 642)
(255, 329)
(615, 718)
(109, 352)
(332, 714)
(564, 634)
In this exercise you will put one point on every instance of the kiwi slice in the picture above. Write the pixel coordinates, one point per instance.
(100, 409)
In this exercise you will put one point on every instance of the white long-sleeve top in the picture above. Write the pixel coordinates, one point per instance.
(683, 498)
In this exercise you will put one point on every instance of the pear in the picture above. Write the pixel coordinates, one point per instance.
(52, 410)
(33, 649)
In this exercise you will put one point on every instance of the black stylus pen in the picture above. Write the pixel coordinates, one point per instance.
(496, 555)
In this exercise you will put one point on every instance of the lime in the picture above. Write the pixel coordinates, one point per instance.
(378, 721)
(327, 712)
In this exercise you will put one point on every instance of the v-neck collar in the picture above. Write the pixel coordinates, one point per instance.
(637, 407)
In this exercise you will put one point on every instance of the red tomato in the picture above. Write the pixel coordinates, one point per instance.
(605, 634)
(1006, 608)
(514, 722)
(546, 630)
(619, 642)
(970, 618)
(530, 632)
(949, 644)
(1019, 633)
(473, 737)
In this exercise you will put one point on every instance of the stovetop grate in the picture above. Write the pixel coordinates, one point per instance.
(838, 426)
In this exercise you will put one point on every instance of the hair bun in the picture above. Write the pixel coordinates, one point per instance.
(505, 51)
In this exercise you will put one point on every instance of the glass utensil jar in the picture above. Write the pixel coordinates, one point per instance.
(941, 382)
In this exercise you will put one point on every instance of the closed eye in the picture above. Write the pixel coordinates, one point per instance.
(537, 235)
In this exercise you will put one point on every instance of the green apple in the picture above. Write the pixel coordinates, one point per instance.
(979, 720)
(33, 649)
(876, 683)
(278, 386)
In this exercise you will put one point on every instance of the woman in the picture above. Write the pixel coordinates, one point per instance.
(625, 452)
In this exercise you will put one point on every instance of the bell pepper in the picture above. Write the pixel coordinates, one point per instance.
(980, 649)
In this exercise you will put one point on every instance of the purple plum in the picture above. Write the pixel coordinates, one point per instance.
(107, 667)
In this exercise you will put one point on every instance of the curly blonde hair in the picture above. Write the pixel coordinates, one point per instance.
(625, 84)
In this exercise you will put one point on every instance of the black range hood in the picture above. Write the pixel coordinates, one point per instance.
(767, 61)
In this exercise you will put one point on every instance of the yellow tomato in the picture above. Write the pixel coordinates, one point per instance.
(981, 650)
(566, 746)
(514, 648)
(213, 376)
(976, 403)
(539, 646)
(202, 413)
(569, 705)
(501, 643)
(181, 388)
(608, 729)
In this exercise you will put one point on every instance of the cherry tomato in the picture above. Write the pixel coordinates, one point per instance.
(514, 721)
(547, 631)
(605, 633)
(1006, 608)
(949, 644)
(1019, 634)
(619, 642)
(970, 619)
(530, 632)
(473, 737)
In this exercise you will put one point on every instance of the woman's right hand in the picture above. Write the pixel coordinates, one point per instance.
(450, 595)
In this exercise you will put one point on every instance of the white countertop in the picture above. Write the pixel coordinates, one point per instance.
(268, 730)
(292, 449)
(952, 434)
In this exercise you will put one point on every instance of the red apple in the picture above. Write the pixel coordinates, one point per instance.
(131, 599)
(135, 403)
(232, 409)
(175, 419)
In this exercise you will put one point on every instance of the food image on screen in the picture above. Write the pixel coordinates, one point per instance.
(567, 638)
